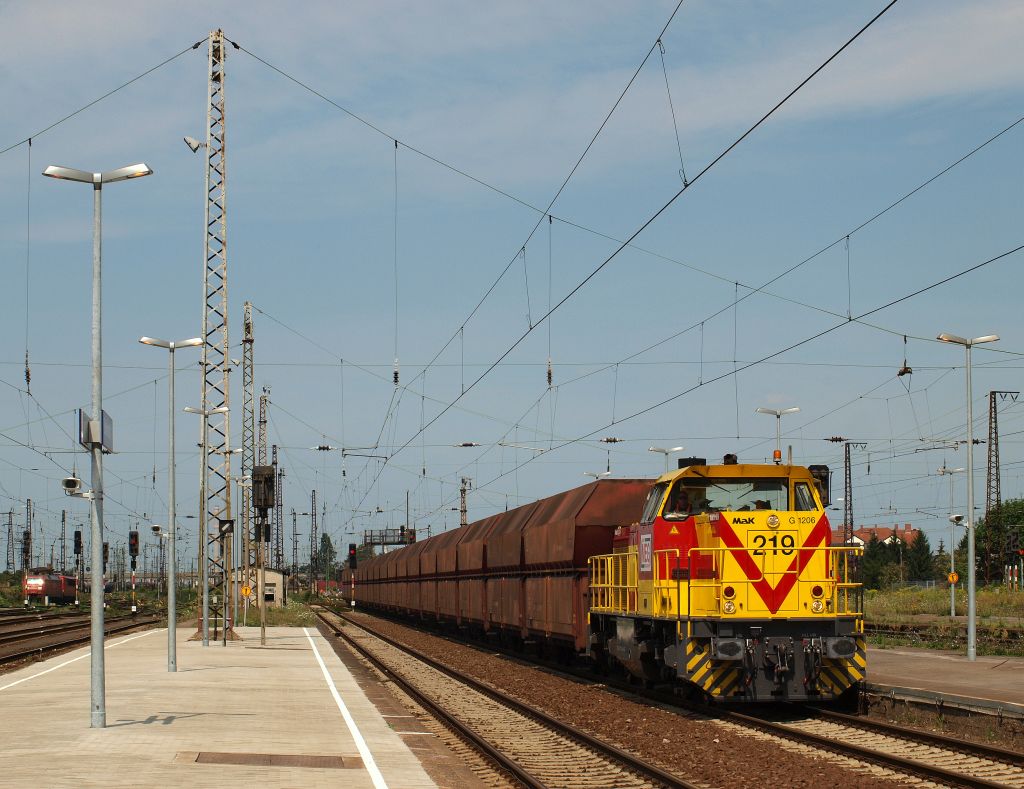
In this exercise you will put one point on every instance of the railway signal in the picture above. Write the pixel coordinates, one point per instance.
(351, 556)
(106, 555)
(133, 544)
(78, 542)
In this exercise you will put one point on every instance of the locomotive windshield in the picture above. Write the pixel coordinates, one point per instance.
(653, 502)
(693, 495)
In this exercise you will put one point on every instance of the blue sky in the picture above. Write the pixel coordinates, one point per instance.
(511, 95)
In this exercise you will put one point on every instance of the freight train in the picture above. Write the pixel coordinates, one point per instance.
(47, 586)
(721, 578)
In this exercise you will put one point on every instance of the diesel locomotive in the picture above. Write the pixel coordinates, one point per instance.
(721, 578)
(729, 582)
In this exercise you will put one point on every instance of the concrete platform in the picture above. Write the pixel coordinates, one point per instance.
(290, 714)
(998, 681)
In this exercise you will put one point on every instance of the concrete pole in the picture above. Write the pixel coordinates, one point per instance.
(204, 624)
(972, 633)
(952, 551)
(98, 706)
(172, 530)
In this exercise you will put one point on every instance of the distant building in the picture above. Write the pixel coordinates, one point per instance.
(274, 586)
(886, 534)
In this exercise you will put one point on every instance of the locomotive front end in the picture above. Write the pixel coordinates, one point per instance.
(731, 584)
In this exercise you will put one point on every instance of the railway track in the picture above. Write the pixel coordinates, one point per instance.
(536, 749)
(930, 756)
(8, 619)
(35, 642)
(927, 756)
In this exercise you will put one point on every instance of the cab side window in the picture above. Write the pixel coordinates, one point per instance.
(653, 502)
(803, 498)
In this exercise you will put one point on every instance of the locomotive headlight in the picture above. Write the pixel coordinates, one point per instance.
(817, 606)
(728, 592)
(729, 607)
(817, 591)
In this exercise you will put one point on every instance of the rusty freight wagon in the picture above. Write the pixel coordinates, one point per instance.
(519, 575)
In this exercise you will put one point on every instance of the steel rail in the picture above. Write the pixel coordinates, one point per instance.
(864, 754)
(861, 753)
(108, 630)
(939, 740)
(631, 762)
(14, 617)
(41, 631)
(439, 713)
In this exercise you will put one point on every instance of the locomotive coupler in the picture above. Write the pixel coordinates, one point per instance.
(749, 663)
(782, 668)
(812, 663)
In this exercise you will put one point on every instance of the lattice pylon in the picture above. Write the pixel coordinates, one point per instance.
(249, 576)
(10, 541)
(993, 487)
(278, 515)
(215, 388)
(313, 537)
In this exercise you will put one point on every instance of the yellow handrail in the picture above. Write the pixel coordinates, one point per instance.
(614, 581)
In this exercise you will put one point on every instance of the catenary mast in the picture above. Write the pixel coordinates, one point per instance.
(216, 480)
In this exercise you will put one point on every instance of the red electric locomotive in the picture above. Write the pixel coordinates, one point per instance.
(45, 585)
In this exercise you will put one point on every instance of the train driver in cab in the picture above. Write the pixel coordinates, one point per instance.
(679, 504)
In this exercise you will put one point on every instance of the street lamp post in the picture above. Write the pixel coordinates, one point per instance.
(666, 453)
(972, 631)
(953, 521)
(172, 574)
(97, 701)
(204, 548)
(778, 413)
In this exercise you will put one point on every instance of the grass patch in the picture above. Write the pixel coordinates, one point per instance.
(920, 618)
(296, 613)
(992, 602)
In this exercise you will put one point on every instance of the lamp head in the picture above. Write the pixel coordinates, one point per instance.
(194, 144)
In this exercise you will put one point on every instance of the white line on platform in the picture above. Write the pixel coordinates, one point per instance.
(363, 748)
(75, 660)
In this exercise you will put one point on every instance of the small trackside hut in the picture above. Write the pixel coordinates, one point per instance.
(729, 583)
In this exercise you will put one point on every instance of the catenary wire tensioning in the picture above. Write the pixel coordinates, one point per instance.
(671, 106)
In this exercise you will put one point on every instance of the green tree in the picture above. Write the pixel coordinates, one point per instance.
(872, 563)
(940, 563)
(918, 557)
(326, 556)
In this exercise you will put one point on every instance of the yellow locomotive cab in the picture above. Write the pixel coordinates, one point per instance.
(730, 583)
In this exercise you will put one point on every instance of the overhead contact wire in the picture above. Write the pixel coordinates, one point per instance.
(653, 217)
(106, 95)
